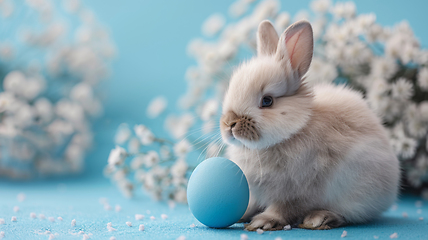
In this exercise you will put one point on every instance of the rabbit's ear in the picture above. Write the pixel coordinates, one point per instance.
(296, 45)
(267, 39)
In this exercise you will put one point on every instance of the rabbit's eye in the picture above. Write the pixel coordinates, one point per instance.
(267, 101)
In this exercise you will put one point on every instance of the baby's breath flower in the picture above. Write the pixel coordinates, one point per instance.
(213, 24)
(137, 162)
(402, 89)
(423, 78)
(151, 158)
(238, 8)
(117, 156)
(282, 21)
(123, 133)
(182, 148)
(209, 109)
(320, 6)
(156, 106)
(179, 126)
(179, 168)
(344, 10)
(134, 145)
(144, 134)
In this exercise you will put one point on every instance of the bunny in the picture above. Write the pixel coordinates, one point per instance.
(317, 158)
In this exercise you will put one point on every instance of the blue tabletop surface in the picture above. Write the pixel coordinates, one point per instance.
(84, 201)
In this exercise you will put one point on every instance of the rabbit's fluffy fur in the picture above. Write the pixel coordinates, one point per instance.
(318, 156)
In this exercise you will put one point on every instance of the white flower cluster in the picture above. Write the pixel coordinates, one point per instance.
(157, 164)
(163, 173)
(51, 64)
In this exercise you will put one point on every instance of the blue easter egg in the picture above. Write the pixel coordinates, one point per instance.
(218, 192)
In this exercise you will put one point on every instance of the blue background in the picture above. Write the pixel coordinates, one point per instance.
(151, 38)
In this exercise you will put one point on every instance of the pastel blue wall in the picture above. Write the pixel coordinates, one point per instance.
(151, 38)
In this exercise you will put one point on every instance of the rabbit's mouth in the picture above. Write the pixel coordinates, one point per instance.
(239, 129)
(233, 136)
(230, 138)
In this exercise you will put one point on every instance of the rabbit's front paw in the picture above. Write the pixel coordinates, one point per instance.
(322, 220)
(266, 222)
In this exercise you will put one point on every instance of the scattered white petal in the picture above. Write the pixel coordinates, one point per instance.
(60, 218)
(110, 228)
(141, 227)
(1, 234)
(42, 216)
(2, 221)
(107, 207)
(287, 227)
(152, 217)
(51, 237)
(278, 238)
(16, 209)
(394, 235)
(405, 214)
(73, 222)
(394, 207)
(81, 232)
(13, 219)
(376, 237)
(164, 216)
(85, 237)
(260, 231)
(244, 236)
(52, 219)
(171, 204)
(192, 225)
(117, 208)
(181, 238)
(21, 197)
(47, 232)
(129, 224)
(421, 218)
(139, 217)
(112, 238)
(33, 215)
(344, 234)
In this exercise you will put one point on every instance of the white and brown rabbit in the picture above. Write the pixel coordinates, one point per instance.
(317, 156)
